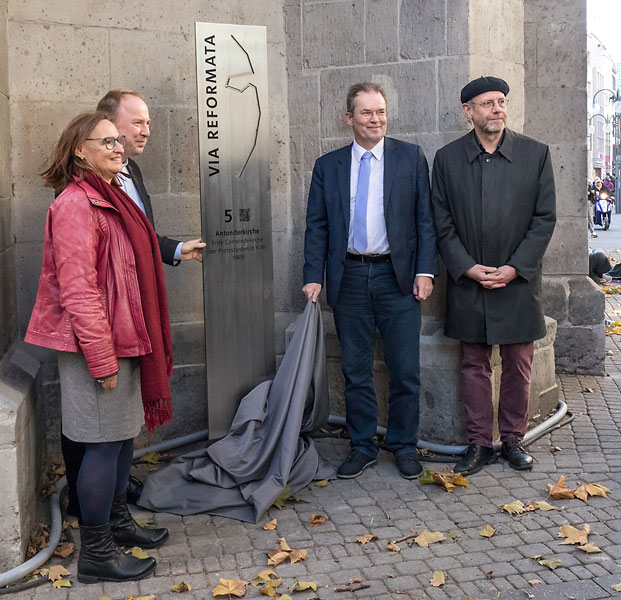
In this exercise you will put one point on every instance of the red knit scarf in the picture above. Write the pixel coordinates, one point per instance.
(156, 367)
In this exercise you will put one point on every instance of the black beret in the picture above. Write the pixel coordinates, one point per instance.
(482, 85)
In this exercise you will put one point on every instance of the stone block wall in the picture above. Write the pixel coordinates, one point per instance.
(7, 243)
(62, 58)
(555, 44)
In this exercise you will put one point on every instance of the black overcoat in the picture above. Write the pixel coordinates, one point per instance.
(494, 209)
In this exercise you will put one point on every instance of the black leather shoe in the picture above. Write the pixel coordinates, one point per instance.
(513, 452)
(354, 465)
(408, 464)
(102, 560)
(127, 532)
(474, 459)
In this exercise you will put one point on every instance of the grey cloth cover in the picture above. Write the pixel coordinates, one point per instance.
(268, 446)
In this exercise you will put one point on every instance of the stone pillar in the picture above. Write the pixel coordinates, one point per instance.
(555, 63)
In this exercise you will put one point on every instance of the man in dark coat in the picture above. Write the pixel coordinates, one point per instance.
(369, 225)
(494, 203)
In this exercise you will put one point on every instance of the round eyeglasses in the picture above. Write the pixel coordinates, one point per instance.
(110, 142)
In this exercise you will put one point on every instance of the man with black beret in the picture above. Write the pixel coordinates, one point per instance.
(494, 203)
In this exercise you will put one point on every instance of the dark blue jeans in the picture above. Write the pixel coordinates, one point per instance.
(370, 297)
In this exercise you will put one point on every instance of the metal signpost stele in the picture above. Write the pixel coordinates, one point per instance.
(231, 73)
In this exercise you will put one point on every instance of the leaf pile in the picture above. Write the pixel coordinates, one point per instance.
(579, 537)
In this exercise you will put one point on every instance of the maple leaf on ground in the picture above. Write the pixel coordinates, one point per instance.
(276, 557)
(300, 586)
(297, 555)
(429, 537)
(64, 549)
(447, 479)
(182, 587)
(57, 572)
(488, 531)
(138, 552)
(513, 508)
(282, 497)
(269, 588)
(559, 490)
(438, 579)
(551, 564)
(591, 489)
(264, 577)
(367, 537)
(270, 525)
(589, 548)
(317, 520)
(229, 588)
(573, 535)
(61, 583)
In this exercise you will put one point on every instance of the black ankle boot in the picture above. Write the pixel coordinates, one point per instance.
(127, 532)
(102, 560)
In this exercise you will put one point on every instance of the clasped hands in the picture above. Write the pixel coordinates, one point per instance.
(492, 278)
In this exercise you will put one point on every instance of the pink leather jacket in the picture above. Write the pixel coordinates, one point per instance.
(88, 299)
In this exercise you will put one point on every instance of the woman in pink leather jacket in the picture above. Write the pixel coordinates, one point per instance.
(101, 304)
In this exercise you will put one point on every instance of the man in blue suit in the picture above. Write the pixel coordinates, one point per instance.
(369, 225)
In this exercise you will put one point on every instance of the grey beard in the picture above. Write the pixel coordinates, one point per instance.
(494, 128)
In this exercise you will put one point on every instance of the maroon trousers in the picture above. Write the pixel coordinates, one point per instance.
(476, 391)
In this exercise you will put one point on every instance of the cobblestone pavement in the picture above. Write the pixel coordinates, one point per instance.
(202, 549)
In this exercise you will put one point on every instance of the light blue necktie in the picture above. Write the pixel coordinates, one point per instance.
(360, 209)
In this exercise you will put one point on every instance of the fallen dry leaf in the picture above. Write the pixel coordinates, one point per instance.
(276, 557)
(322, 483)
(551, 564)
(182, 587)
(534, 581)
(591, 489)
(270, 525)
(559, 490)
(57, 572)
(513, 508)
(447, 479)
(264, 577)
(555, 449)
(488, 531)
(392, 546)
(106, 598)
(145, 522)
(138, 552)
(367, 537)
(589, 390)
(317, 520)
(297, 555)
(453, 535)
(153, 458)
(616, 587)
(226, 587)
(300, 586)
(573, 535)
(269, 588)
(282, 497)
(429, 537)
(147, 597)
(64, 549)
(589, 548)
(61, 583)
(438, 579)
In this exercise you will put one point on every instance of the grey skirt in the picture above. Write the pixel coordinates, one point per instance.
(91, 414)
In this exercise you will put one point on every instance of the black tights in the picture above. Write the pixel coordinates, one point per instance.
(104, 474)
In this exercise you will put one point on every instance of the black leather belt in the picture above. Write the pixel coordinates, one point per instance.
(369, 258)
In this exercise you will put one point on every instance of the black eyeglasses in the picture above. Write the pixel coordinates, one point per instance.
(110, 142)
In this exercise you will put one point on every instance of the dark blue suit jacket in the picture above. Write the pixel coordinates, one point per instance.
(407, 211)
